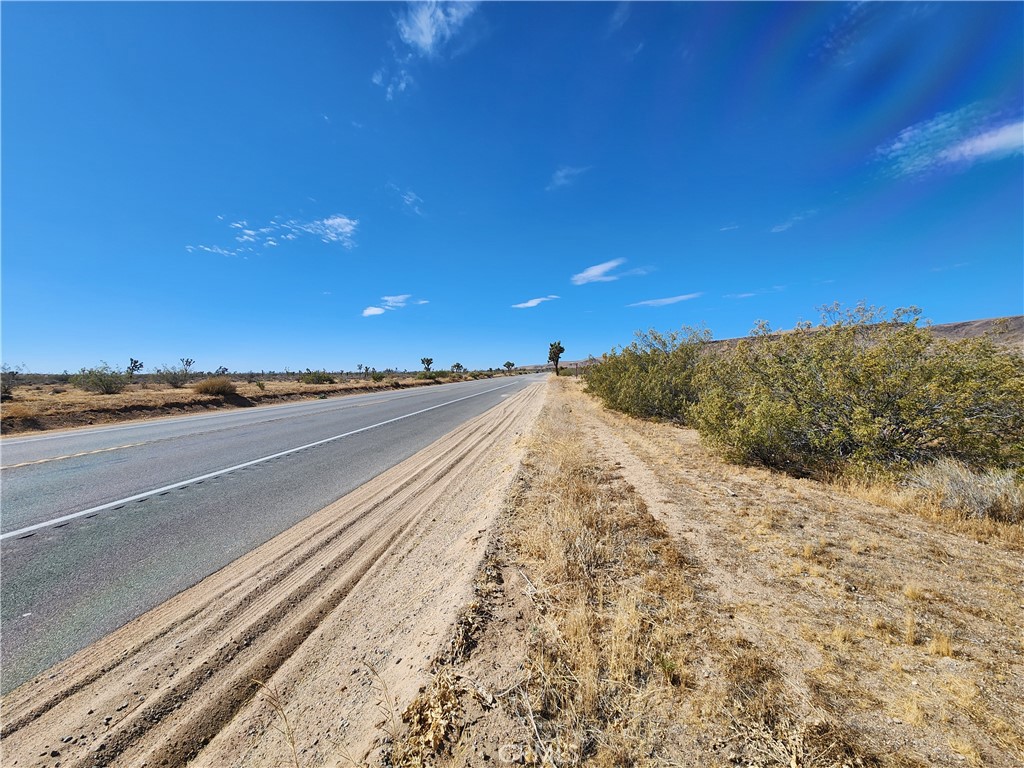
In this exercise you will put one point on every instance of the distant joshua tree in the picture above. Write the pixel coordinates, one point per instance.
(555, 352)
(427, 362)
(457, 368)
(134, 366)
(509, 365)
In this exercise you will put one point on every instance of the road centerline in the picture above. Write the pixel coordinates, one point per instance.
(217, 473)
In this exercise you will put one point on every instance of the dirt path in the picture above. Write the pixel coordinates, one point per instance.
(794, 625)
(350, 604)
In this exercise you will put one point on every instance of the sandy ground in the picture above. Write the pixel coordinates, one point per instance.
(821, 630)
(812, 628)
(334, 616)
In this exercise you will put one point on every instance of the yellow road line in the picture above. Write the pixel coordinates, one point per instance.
(70, 456)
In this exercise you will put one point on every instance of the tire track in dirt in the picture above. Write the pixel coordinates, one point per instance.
(160, 689)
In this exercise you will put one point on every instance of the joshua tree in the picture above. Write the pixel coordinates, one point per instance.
(555, 351)
(427, 362)
(457, 368)
(134, 366)
(359, 367)
(509, 365)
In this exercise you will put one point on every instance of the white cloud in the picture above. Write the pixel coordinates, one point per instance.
(728, 227)
(535, 302)
(739, 295)
(963, 137)
(427, 26)
(598, 273)
(334, 229)
(618, 18)
(793, 220)
(391, 303)
(565, 176)
(664, 302)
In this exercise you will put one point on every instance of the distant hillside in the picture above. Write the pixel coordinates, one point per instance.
(1008, 331)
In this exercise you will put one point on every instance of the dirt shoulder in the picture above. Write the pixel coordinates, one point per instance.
(354, 602)
(657, 606)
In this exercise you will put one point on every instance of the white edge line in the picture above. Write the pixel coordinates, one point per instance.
(147, 494)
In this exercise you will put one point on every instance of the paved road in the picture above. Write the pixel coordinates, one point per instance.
(99, 525)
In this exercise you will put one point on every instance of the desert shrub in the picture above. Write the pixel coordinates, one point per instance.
(261, 386)
(653, 377)
(217, 385)
(175, 377)
(994, 493)
(377, 376)
(102, 379)
(8, 377)
(862, 394)
(316, 377)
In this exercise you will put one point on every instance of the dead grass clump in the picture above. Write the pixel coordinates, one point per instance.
(216, 385)
(609, 655)
(995, 494)
(434, 720)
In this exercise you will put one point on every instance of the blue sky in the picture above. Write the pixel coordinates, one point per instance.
(289, 185)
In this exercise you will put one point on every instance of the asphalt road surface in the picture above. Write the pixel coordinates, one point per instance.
(99, 525)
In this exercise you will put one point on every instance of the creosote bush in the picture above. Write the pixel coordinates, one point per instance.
(217, 385)
(654, 376)
(102, 379)
(860, 394)
(316, 377)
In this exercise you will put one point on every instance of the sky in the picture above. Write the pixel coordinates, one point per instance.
(282, 186)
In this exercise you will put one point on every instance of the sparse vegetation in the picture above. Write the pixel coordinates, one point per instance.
(8, 377)
(102, 379)
(316, 377)
(509, 365)
(217, 385)
(994, 493)
(176, 377)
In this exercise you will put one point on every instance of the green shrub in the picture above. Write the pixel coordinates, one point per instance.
(175, 377)
(261, 386)
(653, 377)
(217, 385)
(863, 394)
(102, 379)
(316, 377)
(377, 376)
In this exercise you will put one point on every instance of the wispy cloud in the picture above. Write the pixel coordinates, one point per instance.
(947, 267)
(425, 30)
(758, 292)
(338, 228)
(410, 199)
(535, 302)
(960, 139)
(598, 273)
(618, 18)
(565, 176)
(428, 26)
(665, 302)
(390, 303)
(788, 223)
(728, 227)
